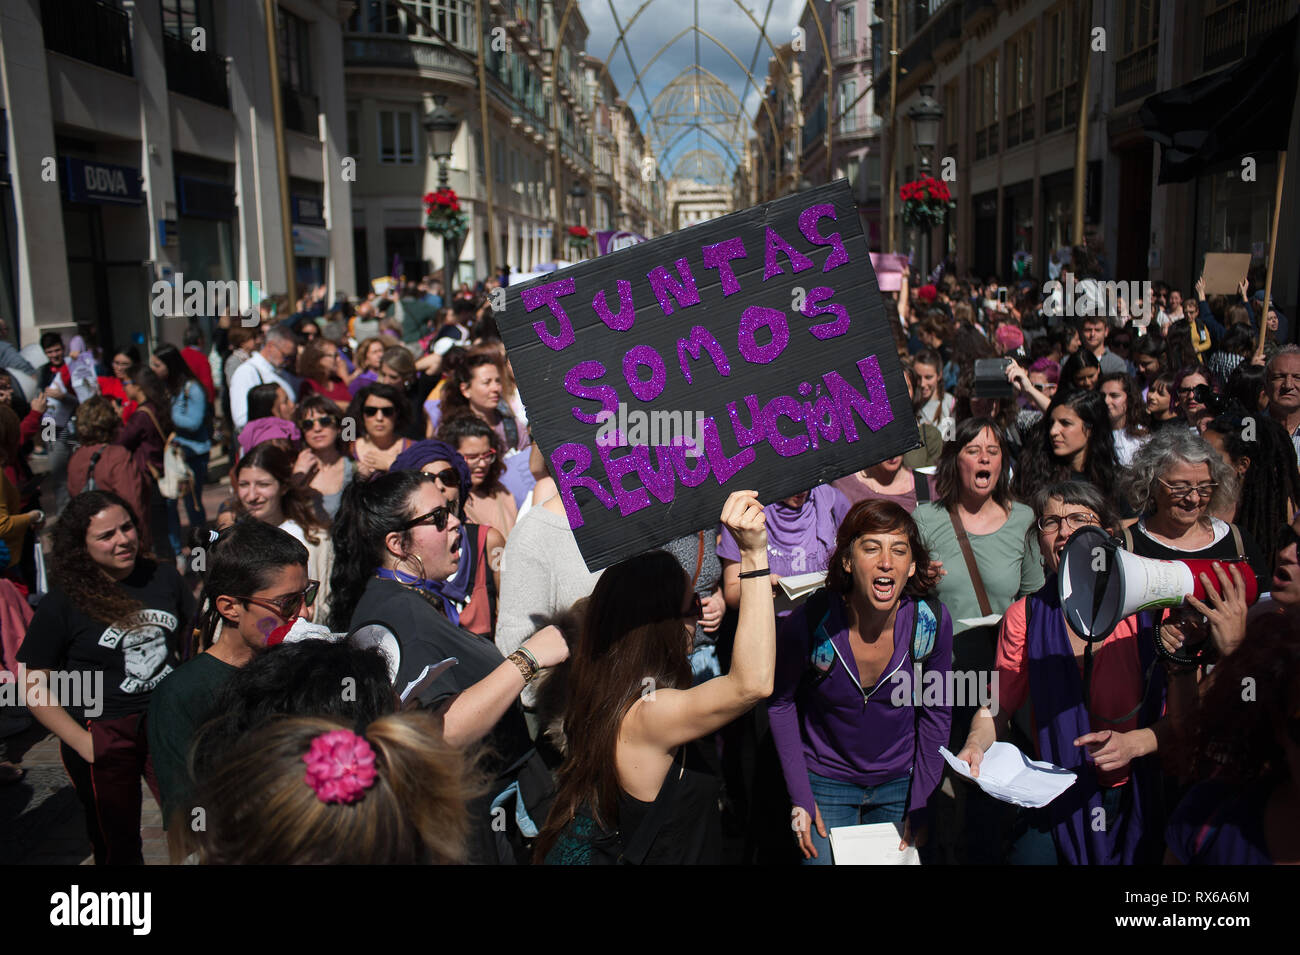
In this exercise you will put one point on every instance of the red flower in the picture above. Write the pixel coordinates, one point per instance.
(579, 231)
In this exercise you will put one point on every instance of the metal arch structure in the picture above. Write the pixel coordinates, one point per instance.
(655, 130)
(697, 99)
(711, 169)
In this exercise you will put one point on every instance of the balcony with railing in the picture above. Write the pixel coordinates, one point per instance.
(1135, 74)
(1233, 30)
(89, 30)
(1020, 126)
(1061, 108)
(200, 74)
(402, 52)
(301, 110)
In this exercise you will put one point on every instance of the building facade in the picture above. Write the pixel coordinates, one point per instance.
(141, 147)
(778, 127)
(1008, 77)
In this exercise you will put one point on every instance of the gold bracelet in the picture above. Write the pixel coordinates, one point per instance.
(531, 658)
(526, 668)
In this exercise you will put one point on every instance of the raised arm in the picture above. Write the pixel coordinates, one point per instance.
(672, 717)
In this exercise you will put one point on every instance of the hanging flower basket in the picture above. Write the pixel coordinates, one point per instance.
(443, 216)
(579, 238)
(926, 202)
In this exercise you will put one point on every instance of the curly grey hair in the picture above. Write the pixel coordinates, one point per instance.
(1171, 445)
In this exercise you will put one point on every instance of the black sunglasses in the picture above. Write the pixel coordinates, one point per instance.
(324, 421)
(447, 476)
(371, 410)
(437, 517)
(286, 608)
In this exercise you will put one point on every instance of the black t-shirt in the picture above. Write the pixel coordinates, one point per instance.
(1223, 549)
(134, 653)
(427, 637)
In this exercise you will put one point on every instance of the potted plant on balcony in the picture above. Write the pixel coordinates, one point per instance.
(580, 239)
(443, 215)
(926, 202)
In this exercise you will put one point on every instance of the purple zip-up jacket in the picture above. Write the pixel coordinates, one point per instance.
(832, 732)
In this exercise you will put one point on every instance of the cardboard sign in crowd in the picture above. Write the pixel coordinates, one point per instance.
(748, 352)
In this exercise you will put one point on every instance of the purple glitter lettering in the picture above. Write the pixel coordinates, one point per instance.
(605, 394)
(626, 310)
(826, 419)
(701, 337)
(579, 457)
(616, 469)
(666, 288)
(751, 320)
(812, 307)
(746, 436)
(874, 410)
(723, 467)
(783, 406)
(644, 355)
(659, 480)
(692, 471)
(808, 226)
(775, 244)
(719, 255)
(550, 294)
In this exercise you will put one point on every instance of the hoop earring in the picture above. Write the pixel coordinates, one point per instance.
(421, 579)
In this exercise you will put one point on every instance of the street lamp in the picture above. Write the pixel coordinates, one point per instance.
(925, 115)
(441, 126)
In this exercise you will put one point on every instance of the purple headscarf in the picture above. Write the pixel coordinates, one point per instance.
(267, 429)
(431, 449)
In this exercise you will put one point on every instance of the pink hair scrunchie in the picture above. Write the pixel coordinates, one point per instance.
(340, 766)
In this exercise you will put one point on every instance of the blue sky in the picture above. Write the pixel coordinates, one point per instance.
(663, 19)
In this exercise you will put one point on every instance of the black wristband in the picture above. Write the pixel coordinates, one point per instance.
(756, 573)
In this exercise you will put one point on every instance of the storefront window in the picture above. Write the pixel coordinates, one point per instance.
(1232, 215)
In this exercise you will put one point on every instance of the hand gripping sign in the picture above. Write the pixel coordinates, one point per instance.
(748, 352)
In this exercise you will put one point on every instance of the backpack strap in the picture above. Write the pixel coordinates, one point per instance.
(1236, 541)
(821, 659)
(1128, 539)
(925, 628)
(511, 427)
(90, 471)
(921, 484)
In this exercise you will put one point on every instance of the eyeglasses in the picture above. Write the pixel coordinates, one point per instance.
(436, 517)
(447, 476)
(287, 607)
(324, 421)
(1186, 391)
(387, 411)
(1182, 489)
(1052, 523)
(476, 458)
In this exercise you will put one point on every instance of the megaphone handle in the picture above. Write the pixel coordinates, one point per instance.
(1167, 655)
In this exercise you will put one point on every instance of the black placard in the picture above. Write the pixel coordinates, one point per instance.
(731, 334)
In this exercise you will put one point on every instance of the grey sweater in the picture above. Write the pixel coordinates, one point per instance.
(542, 573)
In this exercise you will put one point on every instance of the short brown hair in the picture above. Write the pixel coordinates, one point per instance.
(98, 421)
(239, 334)
(874, 516)
(400, 359)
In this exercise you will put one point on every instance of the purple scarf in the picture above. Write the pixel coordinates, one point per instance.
(1056, 691)
(802, 541)
(434, 587)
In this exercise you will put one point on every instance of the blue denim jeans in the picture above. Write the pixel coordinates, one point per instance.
(847, 804)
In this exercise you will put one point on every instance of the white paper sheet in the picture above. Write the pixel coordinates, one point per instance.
(426, 677)
(1009, 775)
(874, 844)
(803, 584)
(990, 620)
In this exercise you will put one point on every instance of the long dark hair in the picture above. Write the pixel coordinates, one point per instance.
(356, 410)
(242, 562)
(261, 400)
(1270, 485)
(632, 638)
(1039, 465)
(469, 425)
(1071, 366)
(178, 373)
(368, 512)
(947, 484)
(156, 397)
(1135, 415)
(462, 373)
(296, 501)
(88, 586)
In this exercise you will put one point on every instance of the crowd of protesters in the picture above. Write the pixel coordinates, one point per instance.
(384, 645)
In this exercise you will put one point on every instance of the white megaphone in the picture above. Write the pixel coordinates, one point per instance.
(1100, 583)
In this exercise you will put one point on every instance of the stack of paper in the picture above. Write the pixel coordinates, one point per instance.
(1011, 776)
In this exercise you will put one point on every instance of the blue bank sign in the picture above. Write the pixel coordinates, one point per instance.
(102, 182)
